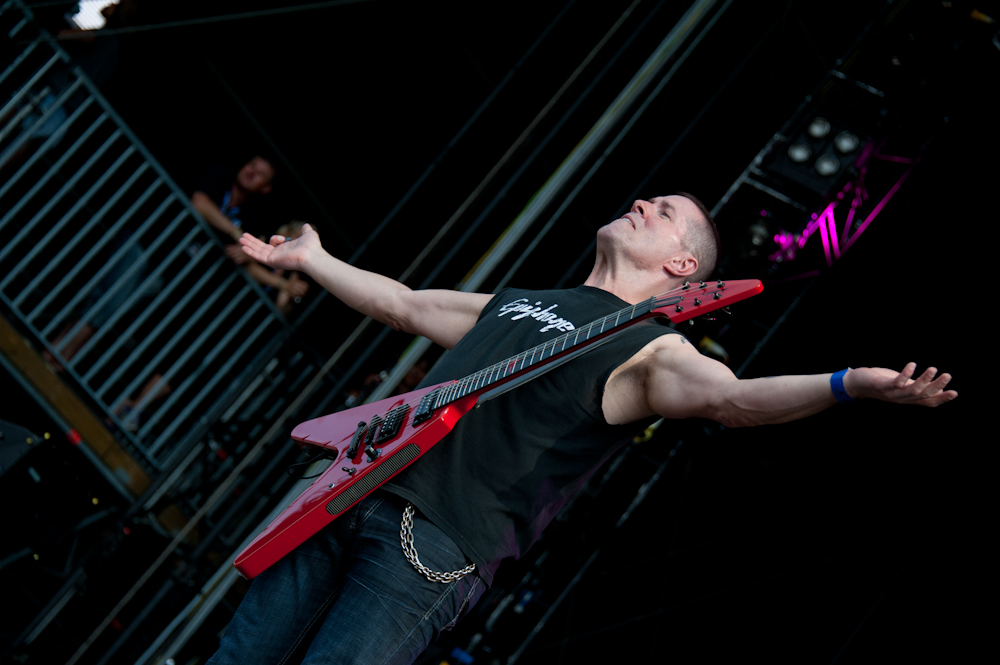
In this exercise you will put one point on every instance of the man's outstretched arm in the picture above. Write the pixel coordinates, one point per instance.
(442, 316)
(670, 378)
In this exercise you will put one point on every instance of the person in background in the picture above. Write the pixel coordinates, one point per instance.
(233, 203)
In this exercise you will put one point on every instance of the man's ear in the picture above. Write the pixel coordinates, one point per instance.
(681, 264)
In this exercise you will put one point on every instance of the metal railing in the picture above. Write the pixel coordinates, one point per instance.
(107, 268)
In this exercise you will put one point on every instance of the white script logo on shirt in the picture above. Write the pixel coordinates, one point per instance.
(521, 308)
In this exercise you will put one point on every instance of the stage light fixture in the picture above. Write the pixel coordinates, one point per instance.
(827, 165)
(89, 14)
(819, 128)
(846, 142)
(799, 152)
(759, 233)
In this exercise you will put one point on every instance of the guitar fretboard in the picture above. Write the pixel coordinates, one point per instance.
(546, 351)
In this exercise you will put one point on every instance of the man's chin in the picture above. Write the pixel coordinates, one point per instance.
(616, 227)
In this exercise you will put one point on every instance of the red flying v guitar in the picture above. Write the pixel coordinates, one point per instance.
(374, 442)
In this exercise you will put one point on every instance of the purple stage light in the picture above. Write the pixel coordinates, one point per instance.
(836, 244)
(881, 204)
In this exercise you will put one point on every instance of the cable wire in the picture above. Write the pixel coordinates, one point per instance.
(461, 132)
(567, 200)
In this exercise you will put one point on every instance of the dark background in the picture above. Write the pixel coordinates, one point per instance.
(855, 536)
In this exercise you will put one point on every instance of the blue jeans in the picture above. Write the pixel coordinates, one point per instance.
(348, 595)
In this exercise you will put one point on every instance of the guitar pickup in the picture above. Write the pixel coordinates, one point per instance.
(392, 422)
(426, 407)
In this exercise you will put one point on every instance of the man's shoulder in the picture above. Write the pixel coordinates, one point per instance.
(652, 337)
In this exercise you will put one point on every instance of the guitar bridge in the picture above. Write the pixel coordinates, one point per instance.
(372, 427)
(359, 437)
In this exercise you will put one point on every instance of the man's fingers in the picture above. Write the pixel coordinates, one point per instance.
(248, 240)
(937, 386)
(940, 398)
(255, 249)
(904, 376)
(925, 379)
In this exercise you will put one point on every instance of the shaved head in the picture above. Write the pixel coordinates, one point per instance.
(701, 238)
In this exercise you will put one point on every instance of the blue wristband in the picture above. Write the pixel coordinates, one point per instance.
(837, 386)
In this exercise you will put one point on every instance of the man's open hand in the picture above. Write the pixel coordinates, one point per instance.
(899, 387)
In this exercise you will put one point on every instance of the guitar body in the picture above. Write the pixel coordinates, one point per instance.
(374, 442)
(337, 489)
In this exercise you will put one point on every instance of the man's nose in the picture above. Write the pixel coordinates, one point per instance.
(639, 205)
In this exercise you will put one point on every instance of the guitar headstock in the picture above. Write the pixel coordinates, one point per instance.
(694, 299)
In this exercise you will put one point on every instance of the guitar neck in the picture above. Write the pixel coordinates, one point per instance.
(683, 303)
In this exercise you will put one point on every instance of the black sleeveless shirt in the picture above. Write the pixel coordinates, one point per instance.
(505, 471)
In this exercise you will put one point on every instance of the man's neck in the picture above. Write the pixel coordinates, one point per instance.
(630, 288)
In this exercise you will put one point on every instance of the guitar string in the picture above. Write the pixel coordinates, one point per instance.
(489, 375)
(485, 375)
(528, 355)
